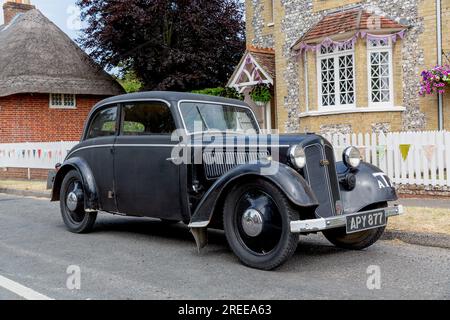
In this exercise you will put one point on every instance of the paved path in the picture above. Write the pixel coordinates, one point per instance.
(127, 258)
(427, 203)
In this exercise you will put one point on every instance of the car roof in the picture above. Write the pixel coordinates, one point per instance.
(169, 96)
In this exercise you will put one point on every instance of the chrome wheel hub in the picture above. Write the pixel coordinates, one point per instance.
(72, 201)
(252, 222)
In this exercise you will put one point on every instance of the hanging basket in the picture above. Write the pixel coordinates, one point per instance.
(435, 80)
(261, 94)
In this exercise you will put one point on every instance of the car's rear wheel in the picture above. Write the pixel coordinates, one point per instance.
(72, 195)
(257, 218)
(359, 240)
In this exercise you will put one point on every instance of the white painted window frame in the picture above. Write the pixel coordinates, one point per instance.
(52, 106)
(389, 50)
(335, 55)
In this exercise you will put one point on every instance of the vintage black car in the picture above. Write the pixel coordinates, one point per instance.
(204, 161)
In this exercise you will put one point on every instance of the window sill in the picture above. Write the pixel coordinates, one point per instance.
(62, 108)
(353, 110)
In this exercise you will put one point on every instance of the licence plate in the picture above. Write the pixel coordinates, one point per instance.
(366, 221)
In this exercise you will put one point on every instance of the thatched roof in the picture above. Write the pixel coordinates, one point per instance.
(37, 57)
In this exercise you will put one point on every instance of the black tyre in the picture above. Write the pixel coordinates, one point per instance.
(356, 241)
(257, 218)
(76, 219)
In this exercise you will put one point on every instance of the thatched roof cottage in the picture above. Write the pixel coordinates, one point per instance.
(47, 83)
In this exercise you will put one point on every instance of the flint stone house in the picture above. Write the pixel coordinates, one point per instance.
(345, 66)
(47, 83)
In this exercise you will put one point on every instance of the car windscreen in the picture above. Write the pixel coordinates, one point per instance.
(205, 117)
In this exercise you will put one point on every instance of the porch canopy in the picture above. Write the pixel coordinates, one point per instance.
(346, 26)
(256, 66)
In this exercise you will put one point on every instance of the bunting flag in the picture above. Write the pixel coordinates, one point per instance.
(429, 151)
(327, 42)
(381, 152)
(404, 149)
(39, 153)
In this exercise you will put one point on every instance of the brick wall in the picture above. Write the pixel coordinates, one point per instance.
(22, 173)
(28, 118)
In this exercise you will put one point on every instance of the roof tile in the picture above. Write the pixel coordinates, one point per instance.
(347, 21)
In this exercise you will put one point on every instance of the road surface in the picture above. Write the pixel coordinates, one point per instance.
(128, 258)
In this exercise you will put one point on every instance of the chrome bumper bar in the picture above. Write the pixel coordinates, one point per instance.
(316, 225)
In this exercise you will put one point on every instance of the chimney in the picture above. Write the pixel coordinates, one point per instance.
(13, 7)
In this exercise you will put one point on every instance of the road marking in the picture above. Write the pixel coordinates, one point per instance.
(21, 290)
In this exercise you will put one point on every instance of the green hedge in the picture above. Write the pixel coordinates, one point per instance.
(221, 92)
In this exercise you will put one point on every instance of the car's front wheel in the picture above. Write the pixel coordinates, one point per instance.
(356, 241)
(76, 219)
(257, 218)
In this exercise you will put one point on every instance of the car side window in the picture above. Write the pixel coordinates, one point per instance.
(103, 124)
(147, 118)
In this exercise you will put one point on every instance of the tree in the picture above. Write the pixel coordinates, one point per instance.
(130, 82)
(170, 45)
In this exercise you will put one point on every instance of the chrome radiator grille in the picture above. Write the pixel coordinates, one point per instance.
(216, 164)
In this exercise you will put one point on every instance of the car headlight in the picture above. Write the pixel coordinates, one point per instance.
(352, 157)
(297, 157)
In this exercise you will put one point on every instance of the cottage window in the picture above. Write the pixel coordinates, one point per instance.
(62, 101)
(336, 76)
(380, 72)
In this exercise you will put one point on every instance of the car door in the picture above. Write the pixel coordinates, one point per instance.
(97, 150)
(147, 182)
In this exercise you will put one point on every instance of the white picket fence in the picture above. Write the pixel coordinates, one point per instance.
(425, 159)
(36, 155)
(421, 158)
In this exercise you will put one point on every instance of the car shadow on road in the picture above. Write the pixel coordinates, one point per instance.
(314, 246)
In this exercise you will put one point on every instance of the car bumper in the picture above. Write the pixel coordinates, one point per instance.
(316, 225)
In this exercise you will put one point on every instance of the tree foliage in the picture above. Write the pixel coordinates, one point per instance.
(170, 45)
(221, 92)
(130, 82)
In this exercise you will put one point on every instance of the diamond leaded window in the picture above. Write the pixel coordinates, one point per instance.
(337, 76)
(380, 72)
(62, 101)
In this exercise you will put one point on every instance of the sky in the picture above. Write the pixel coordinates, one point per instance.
(64, 13)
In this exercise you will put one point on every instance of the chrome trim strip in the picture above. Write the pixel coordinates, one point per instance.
(211, 102)
(337, 178)
(236, 145)
(121, 145)
(316, 225)
(175, 145)
(89, 147)
(146, 145)
(131, 100)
